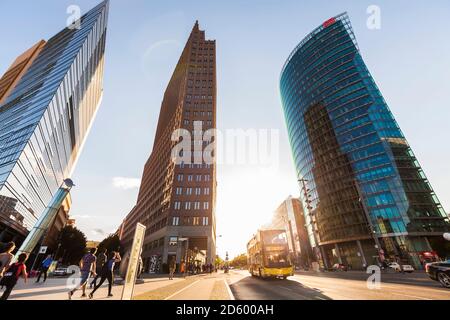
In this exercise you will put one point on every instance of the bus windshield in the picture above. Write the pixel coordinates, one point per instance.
(276, 260)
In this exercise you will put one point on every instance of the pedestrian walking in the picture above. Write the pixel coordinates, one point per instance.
(183, 268)
(6, 257)
(87, 267)
(101, 260)
(172, 268)
(12, 275)
(45, 265)
(108, 273)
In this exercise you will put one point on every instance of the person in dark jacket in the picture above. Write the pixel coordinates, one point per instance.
(101, 260)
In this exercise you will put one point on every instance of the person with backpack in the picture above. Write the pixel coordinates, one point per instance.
(101, 260)
(12, 275)
(6, 257)
(108, 273)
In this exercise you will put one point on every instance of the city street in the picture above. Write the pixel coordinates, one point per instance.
(337, 286)
(240, 286)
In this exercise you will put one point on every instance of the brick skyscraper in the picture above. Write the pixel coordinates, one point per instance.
(177, 201)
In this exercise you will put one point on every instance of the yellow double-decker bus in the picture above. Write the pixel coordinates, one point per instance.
(268, 255)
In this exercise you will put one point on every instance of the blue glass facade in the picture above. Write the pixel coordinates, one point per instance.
(44, 121)
(365, 188)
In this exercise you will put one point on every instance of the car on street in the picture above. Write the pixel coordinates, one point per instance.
(401, 268)
(439, 271)
(61, 272)
(339, 267)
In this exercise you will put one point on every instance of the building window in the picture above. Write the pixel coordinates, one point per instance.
(205, 205)
(187, 206)
(196, 221)
(197, 206)
(206, 191)
(179, 191)
(173, 241)
(207, 178)
(190, 178)
(180, 178)
(205, 221)
(177, 205)
(189, 191)
(176, 221)
(198, 191)
(199, 178)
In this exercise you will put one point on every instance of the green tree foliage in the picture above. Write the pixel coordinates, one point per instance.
(219, 261)
(73, 245)
(239, 262)
(111, 243)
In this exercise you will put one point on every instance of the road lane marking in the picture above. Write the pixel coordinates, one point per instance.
(229, 290)
(180, 291)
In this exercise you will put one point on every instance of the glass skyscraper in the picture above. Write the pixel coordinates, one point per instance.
(48, 101)
(366, 198)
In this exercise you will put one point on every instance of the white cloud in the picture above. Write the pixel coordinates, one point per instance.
(126, 183)
(98, 232)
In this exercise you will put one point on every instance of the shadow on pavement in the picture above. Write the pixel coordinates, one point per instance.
(273, 289)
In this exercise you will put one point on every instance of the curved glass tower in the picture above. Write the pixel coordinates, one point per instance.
(366, 197)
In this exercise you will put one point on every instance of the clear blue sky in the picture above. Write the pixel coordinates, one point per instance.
(409, 59)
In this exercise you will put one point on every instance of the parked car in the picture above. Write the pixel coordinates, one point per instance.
(340, 267)
(439, 271)
(399, 268)
(61, 272)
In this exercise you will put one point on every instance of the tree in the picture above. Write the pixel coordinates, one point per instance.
(72, 245)
(239, 262)
(219, 261)
(111, 243)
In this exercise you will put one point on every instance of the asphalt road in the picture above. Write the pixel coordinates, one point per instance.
(336, 286)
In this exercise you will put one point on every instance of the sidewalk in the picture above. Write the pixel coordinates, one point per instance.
(154, 287)
(57, 289)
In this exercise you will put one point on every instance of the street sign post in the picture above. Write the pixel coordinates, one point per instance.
(132, 270)
(43, 250)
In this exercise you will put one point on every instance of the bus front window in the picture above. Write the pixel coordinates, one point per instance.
(277, 260)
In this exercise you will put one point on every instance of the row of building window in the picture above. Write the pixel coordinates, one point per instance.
(198, 113)
(188, 122)
(190, 221)
(191, 205)
(189, 97)
(198, 178)
(179, 191)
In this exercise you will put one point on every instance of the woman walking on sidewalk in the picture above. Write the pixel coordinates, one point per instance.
(13, 274)
(6, 257)
(108, 273)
